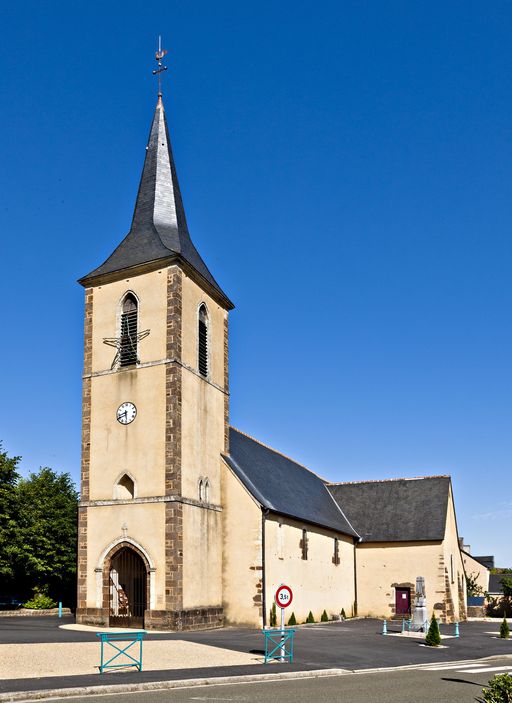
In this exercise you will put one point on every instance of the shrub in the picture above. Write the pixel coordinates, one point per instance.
(310, 617)
(504, 630)
(343, 616)
(433, 638)
(273, 615)
(292, 620)
(499, 690)
(40, 601)
(324, 617)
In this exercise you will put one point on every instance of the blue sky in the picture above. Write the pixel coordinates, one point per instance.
(347, 175)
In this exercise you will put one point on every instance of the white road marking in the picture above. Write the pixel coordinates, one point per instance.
(447, 667)
(487, 669)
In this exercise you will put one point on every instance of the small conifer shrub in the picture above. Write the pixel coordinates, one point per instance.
(499, 690)
(273, 616)
(292, 621)
(324, 617)
(310, 617)
(504, 629)
(433, 638)
(343, 616)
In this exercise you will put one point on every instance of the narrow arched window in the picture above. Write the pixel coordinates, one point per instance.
(206, 491)
(201, 489)
(202, 346)
(128, 345)
(124, 488)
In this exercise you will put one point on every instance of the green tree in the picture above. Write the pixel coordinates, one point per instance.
(8, 480)
(504, 629)
(472, 586)
(310, 617)
(46, 536)
(499, 690)
(506, 587)
(433, 638)
(324, 617)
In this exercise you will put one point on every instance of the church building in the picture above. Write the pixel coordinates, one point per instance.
(183, 523)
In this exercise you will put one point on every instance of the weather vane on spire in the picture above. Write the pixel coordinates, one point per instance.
(159, 55)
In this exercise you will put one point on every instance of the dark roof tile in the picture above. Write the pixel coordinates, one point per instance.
(398, 510)
(159, 227)
(283, 486)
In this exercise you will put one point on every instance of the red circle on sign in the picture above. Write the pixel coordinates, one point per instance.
(284, 596)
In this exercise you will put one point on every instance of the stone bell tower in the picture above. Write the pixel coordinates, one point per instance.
(155, 419)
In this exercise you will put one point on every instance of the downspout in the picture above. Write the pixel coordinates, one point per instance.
(264, 513)
(355, 578)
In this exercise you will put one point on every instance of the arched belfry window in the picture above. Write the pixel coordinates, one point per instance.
(128, 346)
(124, 489)
(202, 346)
(204, 489)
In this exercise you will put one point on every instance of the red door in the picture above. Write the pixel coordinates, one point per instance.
(403, 601)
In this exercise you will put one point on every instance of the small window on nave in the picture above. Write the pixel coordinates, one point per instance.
(336, 555)
(202, 344)
(304, 544)
(124, 488)
(129, 322)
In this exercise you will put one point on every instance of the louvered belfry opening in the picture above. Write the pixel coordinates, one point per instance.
(128, 347)
(203, 342)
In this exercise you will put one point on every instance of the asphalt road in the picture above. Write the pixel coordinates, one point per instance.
(457, 684)
(353, 645)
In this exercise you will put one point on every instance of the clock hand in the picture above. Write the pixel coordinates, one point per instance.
(120, 415)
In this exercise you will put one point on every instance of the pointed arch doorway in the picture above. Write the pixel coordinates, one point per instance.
(128, 583)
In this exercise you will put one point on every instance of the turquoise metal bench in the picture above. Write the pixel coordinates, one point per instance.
(279, 645)
(111, 639)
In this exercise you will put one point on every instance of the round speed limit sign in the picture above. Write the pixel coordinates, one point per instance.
(284, 596)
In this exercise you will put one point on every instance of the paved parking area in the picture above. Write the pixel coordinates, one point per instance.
(353, 644)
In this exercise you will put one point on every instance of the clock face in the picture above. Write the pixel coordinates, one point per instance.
(126, 413)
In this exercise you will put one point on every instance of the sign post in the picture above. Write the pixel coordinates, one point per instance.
(283, 599)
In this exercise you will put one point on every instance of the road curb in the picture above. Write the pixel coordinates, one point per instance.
(20, 696)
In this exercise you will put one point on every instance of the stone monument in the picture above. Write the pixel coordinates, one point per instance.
(419, 616)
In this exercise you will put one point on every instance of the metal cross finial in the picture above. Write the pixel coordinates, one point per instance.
(161, 68)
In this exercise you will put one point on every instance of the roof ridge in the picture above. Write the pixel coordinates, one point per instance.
(285, 456)
(386, 480)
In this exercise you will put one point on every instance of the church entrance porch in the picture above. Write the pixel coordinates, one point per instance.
(127, 587)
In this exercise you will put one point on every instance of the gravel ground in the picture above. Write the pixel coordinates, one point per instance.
(22, 661)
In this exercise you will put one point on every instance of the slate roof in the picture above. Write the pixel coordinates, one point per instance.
(159, 229)
(487, 561)
(495, 583)
(283, 486)
(397, 510)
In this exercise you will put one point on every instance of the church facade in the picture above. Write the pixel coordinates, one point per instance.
(181, 521)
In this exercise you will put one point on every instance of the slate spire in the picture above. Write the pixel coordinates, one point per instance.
(159, 228)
